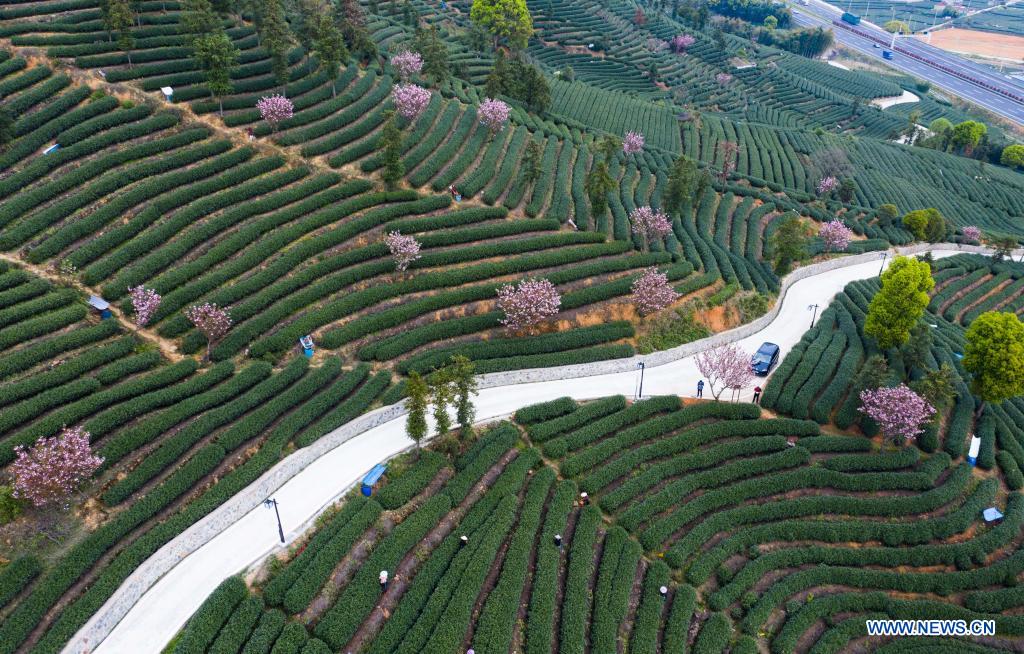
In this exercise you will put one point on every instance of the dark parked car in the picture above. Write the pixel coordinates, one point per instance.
(764, 359)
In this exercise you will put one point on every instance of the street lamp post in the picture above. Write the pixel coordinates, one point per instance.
(882, 267)
(273, 503)
(642, 366)
(813, 308)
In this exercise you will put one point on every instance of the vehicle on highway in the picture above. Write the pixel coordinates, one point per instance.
(886, 54)
(764, 359)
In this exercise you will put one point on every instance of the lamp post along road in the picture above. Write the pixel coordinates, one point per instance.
(640, 392)
(273, 503)
(814, 309)
(882, 267)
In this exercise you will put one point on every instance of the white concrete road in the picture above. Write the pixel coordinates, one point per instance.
(165, 607)
(821, 14)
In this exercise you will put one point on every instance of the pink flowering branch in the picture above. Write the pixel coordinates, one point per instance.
(827, 185)
(410, 100)
(408, 64)
(493, 114)
(633, 142)
(652, 293)
(145, 302)
(404, 249)
(528, 304)
(681, 42)
(211, 320)
(275, 109)
(725, 366)
(900, 412)
(836, 236)
(972, 233)
(650, 224)
(54, 468)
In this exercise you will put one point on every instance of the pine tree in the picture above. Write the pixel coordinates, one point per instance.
(276, 37)
(441, 396)
(391, 142)
(531, 169)
(120, 18)
(465, 387)
(681, 184)
(198, 20)
(434, 53)
(598, 185)
(329, 46)
(416, 421)
(216, 55)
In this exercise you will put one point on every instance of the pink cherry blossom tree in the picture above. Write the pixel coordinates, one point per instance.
(275, 109)
(651, 292)
(725, 366)
(723, 78)
(528, 304)
(493, 114)
(404, 249)
(972, 233)
(407, 64)
(900, 412)
(410, 100)
(633, 143)
(681, 42)
(211, 320)
(835, 235)
(145, 302)
(51, 470)
(827, 185)
(649, 223)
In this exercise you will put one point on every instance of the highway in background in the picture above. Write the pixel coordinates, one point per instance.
(821, 14)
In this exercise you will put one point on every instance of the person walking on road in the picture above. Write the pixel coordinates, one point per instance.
(383, 580)
(700, 388)
(757, 395)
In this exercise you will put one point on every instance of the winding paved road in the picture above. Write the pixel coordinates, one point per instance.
(164, 607)
(821, 14)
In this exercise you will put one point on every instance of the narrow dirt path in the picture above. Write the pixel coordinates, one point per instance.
(168, 347)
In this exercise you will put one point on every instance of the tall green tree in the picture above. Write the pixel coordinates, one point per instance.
(416, 422)
(328, 46)
(428, 43)
(531, 166)
(918, 346)
(788, 243)
(937, 386)
(609, 146)
(465, 387)
(441, 396)
(598, 184)
(1012, 156)
(994, 355)
(276, 38)
(391, 143)
(900, 303)
(216, 55)
(682, 182)
(967, 135)
(507, 20)
(120, 19)
(198, 20)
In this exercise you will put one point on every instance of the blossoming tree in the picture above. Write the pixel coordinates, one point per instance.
(972, 233)
(633, 142)
(145, 302)
(407, 64)
(681, 42)
(493, 114)
(725, 366)
(528, 304)
(652, 292)
(649, 224)
(900, 412)
(410, 100)
(723, 78)
(275, 109)
(50, 471)
(827, 184)
(835, 235)
(404, 249)
(211, 320)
